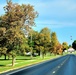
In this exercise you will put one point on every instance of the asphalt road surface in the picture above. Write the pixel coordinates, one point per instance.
(65, 65)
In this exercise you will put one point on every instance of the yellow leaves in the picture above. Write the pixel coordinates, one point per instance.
(19, 35)
(15, 18)
(3, 50)
(2, 31)
(19, 15)
(41, 48)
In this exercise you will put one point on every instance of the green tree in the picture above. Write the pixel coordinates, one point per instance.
(3, 41)
(42, 40)
(31, 41)
(35, 40)
(64, 46)
(74, 44)
(47, 38)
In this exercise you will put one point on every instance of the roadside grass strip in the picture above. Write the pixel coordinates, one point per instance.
(5, 65)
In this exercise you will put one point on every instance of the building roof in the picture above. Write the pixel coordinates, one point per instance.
(70, 49)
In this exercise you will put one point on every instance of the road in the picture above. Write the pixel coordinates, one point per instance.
(65, 65)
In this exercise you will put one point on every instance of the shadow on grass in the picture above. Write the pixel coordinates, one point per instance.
(24, 59)
(2, 65)
(4, 59)
(16, 59)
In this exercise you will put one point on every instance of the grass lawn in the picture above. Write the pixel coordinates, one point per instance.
(21, 61)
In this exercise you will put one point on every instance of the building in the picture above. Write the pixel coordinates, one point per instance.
(71, 50)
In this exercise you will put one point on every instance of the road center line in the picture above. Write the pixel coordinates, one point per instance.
(59, 66)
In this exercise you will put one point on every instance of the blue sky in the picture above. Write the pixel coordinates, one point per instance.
(57, 15)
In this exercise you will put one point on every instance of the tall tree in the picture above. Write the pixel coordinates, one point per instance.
(59, 49)
(47, 38)
(44, 39)
(30, 41)
(16, 18)
(54, 43)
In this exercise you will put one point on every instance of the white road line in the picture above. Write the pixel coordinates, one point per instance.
(58, 67)
(53, 71)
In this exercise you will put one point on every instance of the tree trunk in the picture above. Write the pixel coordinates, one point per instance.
(13, 61)
(41, 54)
(31, 53)
(5, 56)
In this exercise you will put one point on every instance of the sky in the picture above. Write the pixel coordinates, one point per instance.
(58, 15)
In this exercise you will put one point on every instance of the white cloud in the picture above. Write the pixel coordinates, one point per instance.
(55, 24)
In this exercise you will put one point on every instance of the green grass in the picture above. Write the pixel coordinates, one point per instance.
(21, 61)
(65, 53)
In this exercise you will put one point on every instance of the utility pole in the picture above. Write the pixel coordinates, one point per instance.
(71, 40)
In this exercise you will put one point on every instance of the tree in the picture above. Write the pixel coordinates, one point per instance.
(35, 41)
(46, 38)
(40, 41)
(74, 44)
(43, 40)
(54, 43)
(16, 18)
(30, 41)
(59, 49)
(64, 46)
(69, 46)
(23, 48)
